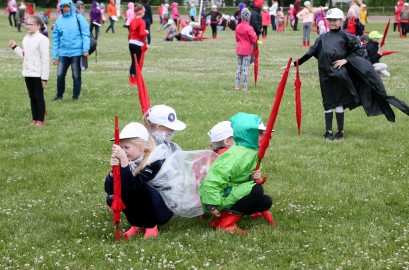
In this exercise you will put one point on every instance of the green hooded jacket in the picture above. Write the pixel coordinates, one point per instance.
(229, 177)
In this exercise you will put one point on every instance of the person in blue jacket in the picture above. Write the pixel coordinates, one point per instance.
(70, 41)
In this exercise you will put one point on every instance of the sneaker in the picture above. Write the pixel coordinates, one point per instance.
(237, 88)
(338, 136)
(57, 98)
(244, 89)
(34, 122)
(40, 123)
(151, 232)
(328, 135)
(74, 99)
(131, 232)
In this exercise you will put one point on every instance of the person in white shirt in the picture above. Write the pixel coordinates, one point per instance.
(36, 66)
(273, 14)
(186, 32)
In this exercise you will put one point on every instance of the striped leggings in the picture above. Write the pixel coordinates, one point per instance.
(243, 62)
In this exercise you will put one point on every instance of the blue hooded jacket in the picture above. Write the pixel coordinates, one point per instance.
(68, 39)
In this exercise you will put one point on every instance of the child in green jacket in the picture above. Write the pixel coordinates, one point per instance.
(228, 191)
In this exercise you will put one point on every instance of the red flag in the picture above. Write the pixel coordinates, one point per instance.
(385, 32)
(265, 141)
(117, 203)
(256, 54)
(142, 91)
(298, 112)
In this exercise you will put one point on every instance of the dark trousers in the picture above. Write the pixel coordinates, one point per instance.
(295, 23)
(64, 62)
(214, 29)
(91, 28)
(264, 31)
(255, 202)
(148, 27)
(36, 94)
(14, 18)
(134, 50)
(111, 26)
(405, 28)
(273, 22)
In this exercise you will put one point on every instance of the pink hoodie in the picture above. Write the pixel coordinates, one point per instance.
(130, 13)
(245, 38)
(175, 11)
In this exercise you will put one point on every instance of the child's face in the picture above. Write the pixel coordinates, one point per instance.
(365, 41)
(228, 142)
(133, 151)
(32, 26)
(334, 23)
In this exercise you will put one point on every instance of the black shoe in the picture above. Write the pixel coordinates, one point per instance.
(75, 99)
(57, 98)
(328, 135)
(338, 136)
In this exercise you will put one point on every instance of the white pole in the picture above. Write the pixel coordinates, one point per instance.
(118, 8)
(200, 13)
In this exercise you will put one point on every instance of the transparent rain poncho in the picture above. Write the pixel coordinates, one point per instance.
(179, 178)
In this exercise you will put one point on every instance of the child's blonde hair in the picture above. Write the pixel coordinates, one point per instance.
(148, 148)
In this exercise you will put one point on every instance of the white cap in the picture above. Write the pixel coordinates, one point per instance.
(307, 3)
(335, 13)
(265, 7)
(134, 130)
(406, 4)
(165, 116)
(261, 126)
(220, 131)
(214, 6)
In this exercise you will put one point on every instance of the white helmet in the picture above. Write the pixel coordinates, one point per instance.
(307, 3)
(335, 13)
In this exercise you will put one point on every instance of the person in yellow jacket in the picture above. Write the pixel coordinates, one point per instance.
(363, 15)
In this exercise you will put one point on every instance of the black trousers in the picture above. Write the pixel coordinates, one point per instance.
(36, 94)
(137, 50)
(255, 202)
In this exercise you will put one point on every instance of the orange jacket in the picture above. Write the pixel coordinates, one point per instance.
(112, 9)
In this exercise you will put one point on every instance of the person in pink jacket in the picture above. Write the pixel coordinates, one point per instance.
(175, 13)
(245, 38)
(130, 14)
(265, 21)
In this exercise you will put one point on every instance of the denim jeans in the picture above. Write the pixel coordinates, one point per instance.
(63, 64)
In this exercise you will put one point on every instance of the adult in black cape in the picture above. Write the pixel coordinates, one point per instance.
(347, 78)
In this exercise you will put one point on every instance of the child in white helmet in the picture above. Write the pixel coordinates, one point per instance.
(162, 122)
(144, 206)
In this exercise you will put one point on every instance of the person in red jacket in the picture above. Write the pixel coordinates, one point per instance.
(265, 21)
(137, 37)
(297, 8)
(245, 37)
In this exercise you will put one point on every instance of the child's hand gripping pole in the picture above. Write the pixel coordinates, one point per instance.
(265, 141)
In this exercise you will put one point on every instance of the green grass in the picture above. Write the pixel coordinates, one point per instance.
(337, 205)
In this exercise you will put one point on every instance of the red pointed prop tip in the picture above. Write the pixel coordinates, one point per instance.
(142, 91)
(298, 111)
(385, 32)
(117, 204)
(265, 141)
(256, 55)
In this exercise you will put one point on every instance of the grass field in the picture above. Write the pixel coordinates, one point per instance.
(337, 205)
